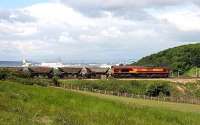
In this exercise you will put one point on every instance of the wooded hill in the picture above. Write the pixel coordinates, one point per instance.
(181, 58)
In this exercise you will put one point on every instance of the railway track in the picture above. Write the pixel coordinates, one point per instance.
(177, 80)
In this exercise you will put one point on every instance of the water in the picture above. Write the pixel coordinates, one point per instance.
(10, 63)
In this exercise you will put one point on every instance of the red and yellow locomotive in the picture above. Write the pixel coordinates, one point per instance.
(139, 71)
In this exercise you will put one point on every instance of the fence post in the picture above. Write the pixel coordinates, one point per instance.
(192, 100)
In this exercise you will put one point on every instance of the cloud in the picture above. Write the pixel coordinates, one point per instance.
(107, 31)
(120, 3)
(183, 18)
(15, 16)
(127, 8)
(113, 4)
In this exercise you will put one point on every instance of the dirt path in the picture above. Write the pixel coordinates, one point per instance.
(176, 80)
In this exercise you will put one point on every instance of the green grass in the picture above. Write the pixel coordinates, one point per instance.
(149, 103)
(192, 72)
(34, 105)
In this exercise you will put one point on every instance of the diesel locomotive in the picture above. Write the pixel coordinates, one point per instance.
(139, 71)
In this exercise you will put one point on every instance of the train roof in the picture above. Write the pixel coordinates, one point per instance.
(40, 69)
(71, 69)
(97, 69)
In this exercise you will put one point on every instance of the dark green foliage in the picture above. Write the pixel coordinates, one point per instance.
(3, 75)
(55, 81)
(179, 58)
(159, 89)
(7, 74)
(31, 81)
(22, 77)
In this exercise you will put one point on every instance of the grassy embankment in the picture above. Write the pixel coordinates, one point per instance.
(138, 87)
(27, 105)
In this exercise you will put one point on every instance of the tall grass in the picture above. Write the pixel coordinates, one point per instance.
(35, 105)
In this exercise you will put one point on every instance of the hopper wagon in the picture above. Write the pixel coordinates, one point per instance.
(41, 72)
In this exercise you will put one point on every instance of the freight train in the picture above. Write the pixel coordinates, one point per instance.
(95, 72)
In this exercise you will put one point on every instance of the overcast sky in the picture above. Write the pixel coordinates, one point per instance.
(95, 30)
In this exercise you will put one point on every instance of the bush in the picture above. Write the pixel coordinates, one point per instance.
(55, 81)
(42, 82)
(158, 89)
(3, 75)
(31, 81)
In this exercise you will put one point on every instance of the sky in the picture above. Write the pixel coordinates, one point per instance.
(98, 31)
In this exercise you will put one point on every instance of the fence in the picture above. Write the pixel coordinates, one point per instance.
(178, 99)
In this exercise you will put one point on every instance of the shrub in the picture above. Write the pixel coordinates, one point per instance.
(55, 81)
(31, 81)
(3, 75)
(10, 74)
(157, 89)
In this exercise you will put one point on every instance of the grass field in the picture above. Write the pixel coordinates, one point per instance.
(35, 105)
(149, 103)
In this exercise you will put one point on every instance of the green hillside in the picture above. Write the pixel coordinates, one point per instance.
(179, 58)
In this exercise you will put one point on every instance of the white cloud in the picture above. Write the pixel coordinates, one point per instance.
(56, 13)
(121, 3)
(54, 30)
(186, 18)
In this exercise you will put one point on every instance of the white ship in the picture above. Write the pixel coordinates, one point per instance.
(53, 65)
(25, 63)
